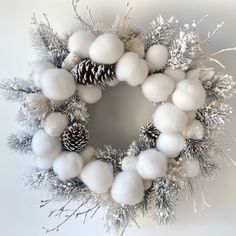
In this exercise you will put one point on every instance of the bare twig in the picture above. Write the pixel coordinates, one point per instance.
(223, 50)
(210, 35)
(60, 210)
(44, 203)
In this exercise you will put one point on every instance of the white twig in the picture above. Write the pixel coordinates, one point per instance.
(216, 61)
(223, 50)
(128, 10)
(210, 35)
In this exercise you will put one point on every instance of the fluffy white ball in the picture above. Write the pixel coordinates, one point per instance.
(193, 130)
(136, 45)
(171, 144)
(106, 49)
(87, 154)
(44, 164)
(55, 123)
(45, 146)
(169, 118)
(37, 68)
(68, 165)
(189, 95)
(98, 176)
(127, 188)
(176, 74)
(80, 42)
(191, 114)
(89, 93)
(151, 164)
(157, 57)
(193, 74)
(129, 163)
(157, 87)
(191, 168)
(58, 84)
(131, 68)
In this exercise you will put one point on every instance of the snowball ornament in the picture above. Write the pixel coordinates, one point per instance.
(191, 168)
(55, 123)
(157, 57)
(45, 146)
(129, 163)
(171, 144)
(157, 87)
(151, 164)
(193, 130)
(37, 69)
(89, 93)
(106, 49)
(58, 84)
(176, 74)
(189, 95)
(169, 118)
(68, 165)
(80, 42)
(87, 154)
(98, 176)
(127, 188)
(132, 69)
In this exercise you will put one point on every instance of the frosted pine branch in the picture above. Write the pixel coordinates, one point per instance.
(20, 142)
(16, 89)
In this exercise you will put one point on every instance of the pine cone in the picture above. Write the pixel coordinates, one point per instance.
(149, 133)
(90, 72)
(75, 137)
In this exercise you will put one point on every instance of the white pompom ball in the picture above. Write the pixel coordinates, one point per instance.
(176, 74)
(113, 82)
(136, 45)
(80, 42)
(58, 84)
(151, 164)
(106, 49)
(98, 176)
(169, 118)
(207, 74)
(68, 165)
(87, 154)
(127, 188)
(44, 164)
(45, 146)
(191, 168)
(131, 68)
(157, 87)
(189, 95)
(191, 114)
(171, 144)
(37, 68)
(157, 57)
(89, 93)
(55, 123)
(129, 163)
(193, 74)
(193, 130)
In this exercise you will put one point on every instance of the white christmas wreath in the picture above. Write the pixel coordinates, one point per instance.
(174, 152)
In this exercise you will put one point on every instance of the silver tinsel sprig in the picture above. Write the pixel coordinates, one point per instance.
(214, 115)
(47, 43)
(118, 218)
(75, 109)
(220, 87)
(16, 89)
(161, 31)
(185, 49)
(138, 146)
(164, 196)
(20, 142)
(110, 155)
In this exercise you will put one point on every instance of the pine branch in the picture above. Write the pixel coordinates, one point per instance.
(20, 142)
(16, 89)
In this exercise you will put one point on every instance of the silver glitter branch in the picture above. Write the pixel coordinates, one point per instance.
(47, 43)
(138, 146)
(16, 89)
(161, 31)
(20, 142)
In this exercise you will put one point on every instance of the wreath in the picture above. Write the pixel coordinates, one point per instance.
(173, 153)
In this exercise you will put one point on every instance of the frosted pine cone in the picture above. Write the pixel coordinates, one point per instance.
(90, 72)
(75, 137)
(149, 133)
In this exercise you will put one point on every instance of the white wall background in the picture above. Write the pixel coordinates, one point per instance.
(19, 214)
